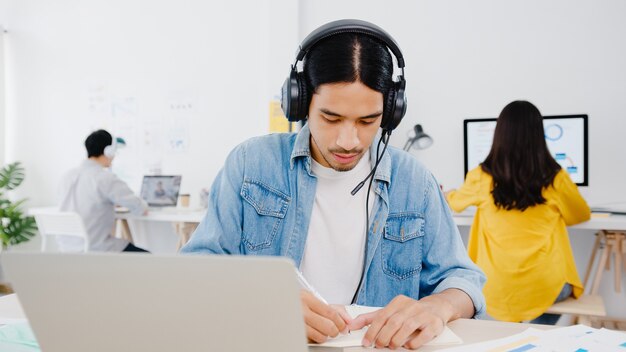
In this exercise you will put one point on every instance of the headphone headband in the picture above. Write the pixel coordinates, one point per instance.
(350, 26)
(294, 92)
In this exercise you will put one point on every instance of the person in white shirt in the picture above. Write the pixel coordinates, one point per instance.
(93, 191)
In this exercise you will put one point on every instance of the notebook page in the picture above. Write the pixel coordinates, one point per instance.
(354, 338)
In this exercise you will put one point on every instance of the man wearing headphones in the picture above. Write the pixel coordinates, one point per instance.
(294, 195)
(92, 191)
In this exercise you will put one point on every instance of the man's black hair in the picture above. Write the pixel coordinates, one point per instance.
(349, 58)
(96, 142)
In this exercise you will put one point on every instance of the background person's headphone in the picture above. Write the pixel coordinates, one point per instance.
(111, 149)
(295, 97)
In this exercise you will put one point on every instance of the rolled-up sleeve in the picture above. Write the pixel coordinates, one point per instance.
(468, 194)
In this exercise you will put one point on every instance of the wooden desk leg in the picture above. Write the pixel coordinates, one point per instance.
(126, 230)
(596, 247)
(583, 319)
(609, 246)
(602, 263)
(624, 250)
(617, 247)
(184, 230)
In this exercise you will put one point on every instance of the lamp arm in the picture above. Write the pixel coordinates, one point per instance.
(408, 144)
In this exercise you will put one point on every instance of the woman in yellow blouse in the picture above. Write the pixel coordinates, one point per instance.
(524, 202)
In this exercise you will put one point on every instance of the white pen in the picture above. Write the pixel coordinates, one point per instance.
(306, 285)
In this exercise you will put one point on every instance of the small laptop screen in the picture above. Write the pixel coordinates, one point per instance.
(160, 191)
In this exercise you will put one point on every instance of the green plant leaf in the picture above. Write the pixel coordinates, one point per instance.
(11, 176)
(15, 226)
(19, 230)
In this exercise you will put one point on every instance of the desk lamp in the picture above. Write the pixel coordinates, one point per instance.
(420, 141)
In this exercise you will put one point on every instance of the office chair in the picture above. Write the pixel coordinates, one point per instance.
(55, 222)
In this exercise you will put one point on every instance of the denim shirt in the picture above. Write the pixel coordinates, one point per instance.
(261, 202)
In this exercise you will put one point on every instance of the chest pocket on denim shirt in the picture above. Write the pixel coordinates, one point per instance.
(263, 214)
(402, 245)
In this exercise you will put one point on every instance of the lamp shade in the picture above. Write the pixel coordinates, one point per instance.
(420, 140)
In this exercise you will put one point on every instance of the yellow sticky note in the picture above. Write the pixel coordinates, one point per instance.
(278, 121)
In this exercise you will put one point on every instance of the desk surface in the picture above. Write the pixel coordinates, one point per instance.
(597, 221)
(469, 330)
(168, 215)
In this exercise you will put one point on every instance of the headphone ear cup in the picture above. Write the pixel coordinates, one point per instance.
(388, 109)
(109, 151)
(290, 96)
(395, 106)
(303, 91)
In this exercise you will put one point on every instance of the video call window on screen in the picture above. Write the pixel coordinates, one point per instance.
(566, 137)
(160, 191)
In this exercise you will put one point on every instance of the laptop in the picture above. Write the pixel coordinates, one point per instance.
(157, 303)
(160, 191)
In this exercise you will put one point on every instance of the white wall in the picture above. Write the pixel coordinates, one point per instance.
(470, 58)
(3, 5)
(147, 71)
(2, 95)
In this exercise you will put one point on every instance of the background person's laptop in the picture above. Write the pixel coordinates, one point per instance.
(160, 191)
(141, 302)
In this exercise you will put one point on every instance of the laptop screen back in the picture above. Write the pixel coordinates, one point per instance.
(160, 191)
(158, 303)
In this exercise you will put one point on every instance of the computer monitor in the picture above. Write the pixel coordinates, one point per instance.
(160, 191)
(566, 137)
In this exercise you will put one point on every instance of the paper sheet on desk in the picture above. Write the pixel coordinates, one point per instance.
(565, 339)
(447, 337)
(19, 334)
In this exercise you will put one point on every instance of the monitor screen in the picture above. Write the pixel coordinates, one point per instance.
(566, 137)
(160, 191)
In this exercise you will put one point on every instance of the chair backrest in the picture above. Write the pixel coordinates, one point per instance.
(60, 223)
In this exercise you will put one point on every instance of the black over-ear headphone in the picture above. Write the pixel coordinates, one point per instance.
(295, 98)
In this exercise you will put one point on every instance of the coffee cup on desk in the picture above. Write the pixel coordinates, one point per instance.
(184, 200)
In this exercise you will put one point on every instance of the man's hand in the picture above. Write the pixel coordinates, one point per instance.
(322, 320)
(404, 322)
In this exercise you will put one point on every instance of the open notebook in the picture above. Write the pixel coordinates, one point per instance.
(354, 338)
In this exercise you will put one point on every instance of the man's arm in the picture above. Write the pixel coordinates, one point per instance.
(118, 192)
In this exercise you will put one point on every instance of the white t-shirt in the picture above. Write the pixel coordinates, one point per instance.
(333, 255)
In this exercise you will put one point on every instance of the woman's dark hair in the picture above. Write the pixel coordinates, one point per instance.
(519, 161)
(96, 142)
(348, 57)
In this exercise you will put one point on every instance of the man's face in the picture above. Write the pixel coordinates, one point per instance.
(343, 119)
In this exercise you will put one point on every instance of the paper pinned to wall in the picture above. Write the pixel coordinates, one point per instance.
(178, 137)
(277, 120)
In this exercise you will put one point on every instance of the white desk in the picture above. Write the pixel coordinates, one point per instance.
(597, 221)
(174, 215)
(183, 220)
(469, 330)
